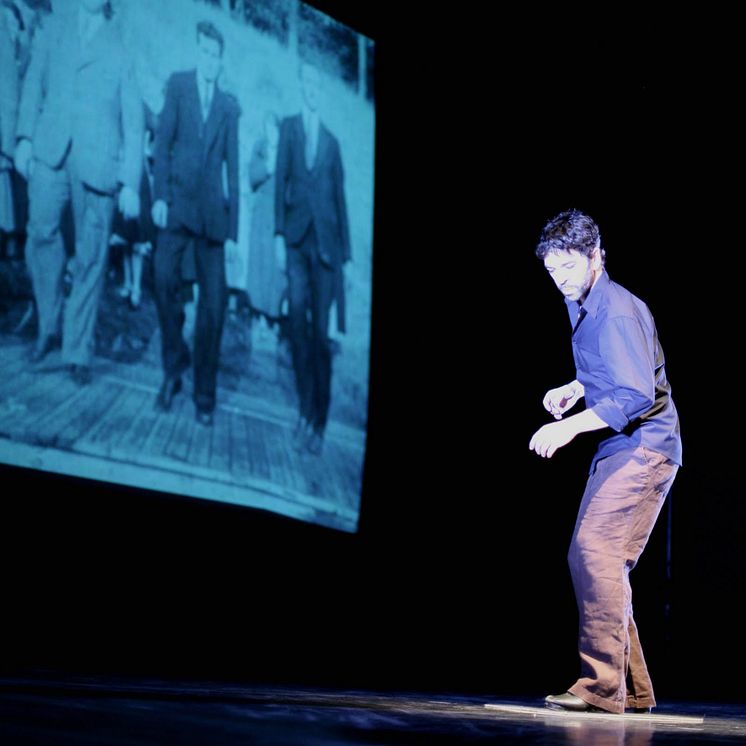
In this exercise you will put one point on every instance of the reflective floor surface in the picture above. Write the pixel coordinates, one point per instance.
(112, 712)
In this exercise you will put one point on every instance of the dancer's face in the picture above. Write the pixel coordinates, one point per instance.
(572, 272)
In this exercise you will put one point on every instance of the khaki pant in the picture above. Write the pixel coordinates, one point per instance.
(621, 503)
(50, 190)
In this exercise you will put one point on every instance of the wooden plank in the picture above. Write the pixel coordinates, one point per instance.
(36, 396)
(350, 471)
(160, 434)
(138, 431)
(265, 461)
(318, 480)
(257, 464)
(275, 468)
(19, 404)
(177, 446)
(239, 447)
(333, 463)
(201, 444)
(100, 431)
(290, 460)
(113, 423)
(63, 398)
(281, 438)
(14, 359)
(346, 466)
(340, 458)
(250, 446)
(220, 454)
(87, 411)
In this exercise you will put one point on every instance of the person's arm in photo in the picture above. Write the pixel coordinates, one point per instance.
(32, 97)
(164, 138)
(133, 134)
(281, 178)
(8, 97)
(231, 163)
(341, 206)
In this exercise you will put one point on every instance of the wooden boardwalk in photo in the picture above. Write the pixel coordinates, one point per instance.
(110, 431)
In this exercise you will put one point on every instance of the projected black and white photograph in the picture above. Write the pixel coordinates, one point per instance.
(186, 228)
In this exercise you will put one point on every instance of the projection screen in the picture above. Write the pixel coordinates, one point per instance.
(186, 215)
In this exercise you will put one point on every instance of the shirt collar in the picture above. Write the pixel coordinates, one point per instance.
(593, 300)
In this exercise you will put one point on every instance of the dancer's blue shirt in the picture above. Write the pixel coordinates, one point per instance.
(619, 361)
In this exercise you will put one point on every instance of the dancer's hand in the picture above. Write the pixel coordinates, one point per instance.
(558, 401)
(547, 439)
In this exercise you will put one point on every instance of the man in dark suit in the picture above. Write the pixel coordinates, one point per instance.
(197, 136)
(80, 139)
(313, 243)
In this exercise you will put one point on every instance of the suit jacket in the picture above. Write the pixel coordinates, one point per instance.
(316, 196)
(189, 158)
(85, 95)
(8, 96)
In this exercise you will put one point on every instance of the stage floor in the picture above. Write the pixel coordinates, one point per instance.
(52, 709)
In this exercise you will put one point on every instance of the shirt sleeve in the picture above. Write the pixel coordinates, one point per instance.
(629, 371)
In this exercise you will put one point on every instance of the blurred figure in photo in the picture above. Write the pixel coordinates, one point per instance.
(197, 138)
(23, 19)
(79, 142)
(312, 242)
(267, 283)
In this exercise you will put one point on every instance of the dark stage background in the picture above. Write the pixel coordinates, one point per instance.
(457, 578)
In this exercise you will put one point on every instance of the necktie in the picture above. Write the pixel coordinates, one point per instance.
(581, 315)
(206, 102)
(310, 145)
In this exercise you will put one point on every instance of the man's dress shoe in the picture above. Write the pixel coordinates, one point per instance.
(315, 443)
(204, 417)
(169, 388)
(569, 701)
(81, 374)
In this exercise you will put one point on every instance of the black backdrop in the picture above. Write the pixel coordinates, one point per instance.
(457, 578)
